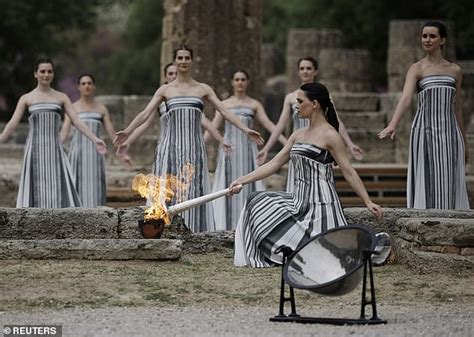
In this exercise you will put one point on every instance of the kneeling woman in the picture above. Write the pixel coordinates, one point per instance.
(271, 221)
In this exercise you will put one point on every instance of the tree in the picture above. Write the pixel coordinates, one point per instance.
(31, 29)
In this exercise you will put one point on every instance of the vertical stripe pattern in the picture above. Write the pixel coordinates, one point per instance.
(181, 142)
(241, 161)
(436, 174)
(298, 123)
(273, 220)
(88, 165)
(46, 177)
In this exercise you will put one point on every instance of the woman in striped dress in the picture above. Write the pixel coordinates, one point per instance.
(272, 221)
(243, 158)
(170, 73)
(307, 71)
(88, 166)
(46, 177)
(182, 140)
(438, 147)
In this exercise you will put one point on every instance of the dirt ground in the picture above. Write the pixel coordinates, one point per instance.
(207, 280)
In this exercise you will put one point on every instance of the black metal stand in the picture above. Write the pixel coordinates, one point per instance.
(294, 317)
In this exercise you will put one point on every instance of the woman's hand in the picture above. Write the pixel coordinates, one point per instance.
(120, 138)
(235, 187)
(262, 156)
(388, 131)
(255, 136)
(375, 209)
(227, 148)
(122, 149)
(100, 146)
(356, 152)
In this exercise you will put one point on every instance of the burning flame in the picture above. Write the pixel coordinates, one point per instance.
(161, 190)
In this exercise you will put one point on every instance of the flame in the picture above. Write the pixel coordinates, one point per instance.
(161, 190)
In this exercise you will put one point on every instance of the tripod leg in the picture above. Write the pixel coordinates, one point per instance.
(363, 301)
(372, 292)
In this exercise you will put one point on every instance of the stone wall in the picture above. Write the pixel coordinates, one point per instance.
(307, 42)
(426, 240)
(345, 70)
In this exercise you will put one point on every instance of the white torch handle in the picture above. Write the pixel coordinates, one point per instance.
(185, 205)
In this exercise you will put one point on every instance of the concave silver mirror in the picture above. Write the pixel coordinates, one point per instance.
(331, 263)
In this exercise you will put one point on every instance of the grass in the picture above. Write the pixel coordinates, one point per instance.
(208, 279)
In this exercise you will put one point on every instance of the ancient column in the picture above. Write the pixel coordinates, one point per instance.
(345, 70)
(224, 35)
(307, 42)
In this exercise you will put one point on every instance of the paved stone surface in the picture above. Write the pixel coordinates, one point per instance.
(246, 321)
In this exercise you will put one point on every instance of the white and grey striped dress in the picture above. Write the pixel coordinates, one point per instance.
(271, 220)
(241, 161)
(436, 175)
(46, 176)
(181, 142)
(88, 165)
(298, 123)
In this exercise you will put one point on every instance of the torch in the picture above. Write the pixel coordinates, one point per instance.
(153, 228)
(185, 205)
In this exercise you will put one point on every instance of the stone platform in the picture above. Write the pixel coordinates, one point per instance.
(92, 249)
(425, 240)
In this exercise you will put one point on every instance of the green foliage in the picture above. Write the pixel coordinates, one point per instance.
(31, 29)
(135, 67)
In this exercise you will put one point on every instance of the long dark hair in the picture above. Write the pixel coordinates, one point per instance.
(309, 59)
(79, 78)
(243, 71)
(43, 60)
(318, 92)
(182, 47)
(441, 28)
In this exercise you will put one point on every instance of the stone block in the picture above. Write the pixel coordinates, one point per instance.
(446, 232)
(12, 151)
(132, 106)
(206, 242)
(272, 61)
(345, 70)
(58, 223)
(356, 101)
(307, 42)
(274, 93)
(114, 104)
(9, 179)
(99, 249)
(375, 121)
(390, 223)
(430, 262)
(450, 250)
(468, 251)
(436, 249)
(375, 150)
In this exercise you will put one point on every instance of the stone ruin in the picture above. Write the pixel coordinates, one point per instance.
(345, 71)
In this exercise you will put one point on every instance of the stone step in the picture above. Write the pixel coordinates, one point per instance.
(436, 244)
(12, 151)
(375, 121)
(375, 150)
(92, 249)
(365, 101)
